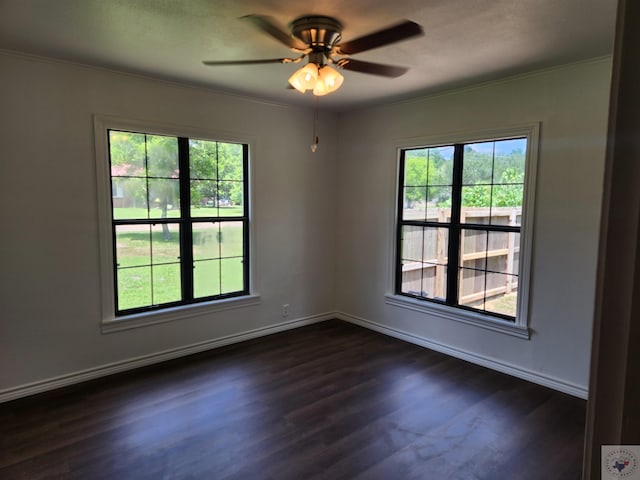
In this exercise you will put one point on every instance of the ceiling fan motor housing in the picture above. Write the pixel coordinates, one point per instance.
(321, 33)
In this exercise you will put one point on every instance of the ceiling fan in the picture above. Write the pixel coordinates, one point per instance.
(317, 37)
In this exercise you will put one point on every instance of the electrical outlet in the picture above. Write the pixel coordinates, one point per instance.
(285, 310)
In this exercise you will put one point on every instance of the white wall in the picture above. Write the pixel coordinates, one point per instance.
(49, 246)
(571, 103)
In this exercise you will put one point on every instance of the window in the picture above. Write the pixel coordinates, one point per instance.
(459, 239)
(179, 220)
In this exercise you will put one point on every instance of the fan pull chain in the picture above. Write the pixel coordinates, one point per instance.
(315, 139)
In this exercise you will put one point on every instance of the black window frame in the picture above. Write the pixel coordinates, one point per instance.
(454, 227)
(186, 222)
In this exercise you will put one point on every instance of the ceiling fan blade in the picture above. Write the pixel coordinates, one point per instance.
(395, 33)
(390, 71)
(247, 62)
(267, 25)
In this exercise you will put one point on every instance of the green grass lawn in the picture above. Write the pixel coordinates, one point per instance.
(149, 269)
(505, 304)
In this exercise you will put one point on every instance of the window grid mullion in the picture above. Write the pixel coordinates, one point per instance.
(186, 227)
(490, 228)
(245, 215)
(453, 263)
(219, 232)
(401, 223)
(146, 176)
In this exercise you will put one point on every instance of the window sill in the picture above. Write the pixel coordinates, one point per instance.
(177, 313)
(458, 315)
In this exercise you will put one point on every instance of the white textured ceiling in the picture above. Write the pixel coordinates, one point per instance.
(465, 41)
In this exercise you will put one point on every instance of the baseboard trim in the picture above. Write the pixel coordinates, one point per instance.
(534, 377)
(146, 360)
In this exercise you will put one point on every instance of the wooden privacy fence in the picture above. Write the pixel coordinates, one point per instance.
(489, 262)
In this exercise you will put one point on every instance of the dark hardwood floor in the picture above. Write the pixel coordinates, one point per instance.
(328, 401)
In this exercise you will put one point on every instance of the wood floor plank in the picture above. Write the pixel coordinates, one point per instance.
(327, 401)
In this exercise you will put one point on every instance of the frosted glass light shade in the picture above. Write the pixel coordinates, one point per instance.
(304, 78)
(329, 80)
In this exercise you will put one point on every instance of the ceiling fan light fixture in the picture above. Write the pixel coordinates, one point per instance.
(304, 78)
(318, 38)
(329, 80)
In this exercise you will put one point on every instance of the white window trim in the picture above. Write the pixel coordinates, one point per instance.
(109, 322)
(519, 328)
